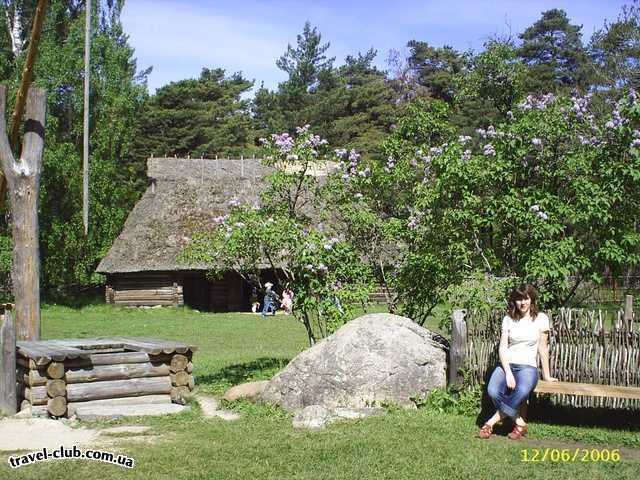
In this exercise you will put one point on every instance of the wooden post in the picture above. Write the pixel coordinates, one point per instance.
(628, 309)
(23, 180)
(176, 298)
(85, 122)
(458, 349)
(8, 394)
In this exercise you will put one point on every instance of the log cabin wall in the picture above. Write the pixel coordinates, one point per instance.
(192, 288)
(145, 288)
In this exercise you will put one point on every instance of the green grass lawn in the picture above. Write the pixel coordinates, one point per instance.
(234, 348)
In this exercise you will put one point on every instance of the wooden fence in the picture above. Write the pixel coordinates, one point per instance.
(585, 346)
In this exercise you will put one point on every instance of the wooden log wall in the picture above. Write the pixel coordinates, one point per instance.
(8, 397)
(586, 346)
(120, 378)
(145, 289)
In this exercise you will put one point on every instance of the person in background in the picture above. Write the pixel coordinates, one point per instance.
(270, 299)
(255, 304)
(287, 301)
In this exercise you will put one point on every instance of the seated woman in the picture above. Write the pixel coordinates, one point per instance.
(525, 335)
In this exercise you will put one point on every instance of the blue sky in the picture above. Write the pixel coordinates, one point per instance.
(180, 37)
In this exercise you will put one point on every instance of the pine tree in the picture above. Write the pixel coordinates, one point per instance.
(615, 49)
(552, 49)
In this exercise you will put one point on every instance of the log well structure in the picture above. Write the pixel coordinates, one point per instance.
(58, 376)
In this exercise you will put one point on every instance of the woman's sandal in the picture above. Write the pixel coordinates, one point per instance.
(485, 431)
(518, 432)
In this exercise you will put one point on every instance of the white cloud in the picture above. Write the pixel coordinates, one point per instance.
(175, 40)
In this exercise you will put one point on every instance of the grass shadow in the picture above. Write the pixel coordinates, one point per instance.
(259, 369)
(542, 409)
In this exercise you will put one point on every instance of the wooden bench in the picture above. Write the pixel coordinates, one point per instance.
(588, 389)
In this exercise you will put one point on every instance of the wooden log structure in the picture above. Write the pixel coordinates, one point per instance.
(133, 387)
(458, 351)
(57, 406)
(8, 393)
(180, 379)
(179, 363)
(116, 372)
(140, 400)
(145, 289)
(62, 375)
(56, 388)
(180, 395)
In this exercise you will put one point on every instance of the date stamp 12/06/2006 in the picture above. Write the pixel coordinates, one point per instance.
(537, 455)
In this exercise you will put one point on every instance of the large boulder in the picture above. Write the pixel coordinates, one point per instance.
(373, 359)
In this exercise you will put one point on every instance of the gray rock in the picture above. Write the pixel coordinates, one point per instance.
(24, 413)
(313, 417)
(373, 359)
(250, 390)
(227, 415)
(208, 404)
(354, 413)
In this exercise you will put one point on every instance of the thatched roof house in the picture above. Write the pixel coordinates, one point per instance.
(184, 196)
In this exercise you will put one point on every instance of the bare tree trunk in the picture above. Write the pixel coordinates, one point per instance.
(23, 180)
(14, 29)
(25, 81)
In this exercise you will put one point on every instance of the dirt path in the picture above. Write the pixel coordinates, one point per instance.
(30, 434)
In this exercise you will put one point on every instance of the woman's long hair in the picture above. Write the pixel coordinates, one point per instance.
(520, 293)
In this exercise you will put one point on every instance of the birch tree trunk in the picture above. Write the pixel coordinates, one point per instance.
(23, 182)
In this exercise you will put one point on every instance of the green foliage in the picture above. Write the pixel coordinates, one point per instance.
(117, 93)
(6, 248)
(354, 105)
(305, 62)
(260, 412)
(615, 50)
(480, 292)
(351, 105)
(197, 117)
(490, 86)
(552, 49)
(531, 199)
(436, 68)
(459, 400)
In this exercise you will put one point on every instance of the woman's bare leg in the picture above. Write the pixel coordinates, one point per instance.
(495, 418)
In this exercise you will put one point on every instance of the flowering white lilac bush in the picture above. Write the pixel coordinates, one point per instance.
(302, 247)
(552, 192)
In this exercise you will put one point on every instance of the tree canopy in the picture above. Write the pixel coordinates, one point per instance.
(197, 117)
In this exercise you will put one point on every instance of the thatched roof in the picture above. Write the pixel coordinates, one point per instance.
(184, 197)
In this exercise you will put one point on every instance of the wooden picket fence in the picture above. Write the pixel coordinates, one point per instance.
(586, 346)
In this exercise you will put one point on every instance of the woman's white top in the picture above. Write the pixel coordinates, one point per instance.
(524, 336)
